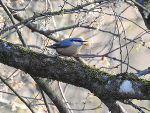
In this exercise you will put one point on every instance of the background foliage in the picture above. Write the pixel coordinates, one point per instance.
(117, 30)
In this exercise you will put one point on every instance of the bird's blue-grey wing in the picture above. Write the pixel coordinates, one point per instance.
(61, 44)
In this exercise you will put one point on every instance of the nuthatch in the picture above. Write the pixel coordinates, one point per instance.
(69, 47)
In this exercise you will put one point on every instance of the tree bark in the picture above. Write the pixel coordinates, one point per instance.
(102, 84)
(145, 14)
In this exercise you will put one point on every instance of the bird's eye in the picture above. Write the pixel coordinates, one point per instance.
(77, 40)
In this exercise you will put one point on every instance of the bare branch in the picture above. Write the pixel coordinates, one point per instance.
(123, 86)
(144, 72)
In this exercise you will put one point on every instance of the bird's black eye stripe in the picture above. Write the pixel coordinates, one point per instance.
(78, 40)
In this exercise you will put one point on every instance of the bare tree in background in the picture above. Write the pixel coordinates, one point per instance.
(110, 75)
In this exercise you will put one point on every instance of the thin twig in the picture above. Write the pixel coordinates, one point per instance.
(51, 94)
(22, 9)
(138, 4)
(60, 88)
(135, 106)
(10, 16)
(114, 58)
(45, 101)
(7, 84)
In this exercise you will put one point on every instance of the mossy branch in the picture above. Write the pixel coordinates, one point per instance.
(102, 84)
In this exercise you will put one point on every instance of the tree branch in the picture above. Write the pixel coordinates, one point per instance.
(52, 95)
(102, 84)
(10, 16)
(145, 12)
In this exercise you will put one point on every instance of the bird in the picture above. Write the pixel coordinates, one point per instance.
(69, 46)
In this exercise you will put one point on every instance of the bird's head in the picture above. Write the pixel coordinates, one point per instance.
(79, 41)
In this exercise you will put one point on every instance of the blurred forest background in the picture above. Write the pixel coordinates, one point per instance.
(115, 27)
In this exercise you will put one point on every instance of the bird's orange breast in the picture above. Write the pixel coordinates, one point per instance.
(69, 51)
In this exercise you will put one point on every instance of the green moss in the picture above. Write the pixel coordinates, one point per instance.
(94, 73)
(145, 87)
(144, 81)
(13, 47)
(25, 49)
(60, 61)
(127, 76)
(4, 40)
(144, 84)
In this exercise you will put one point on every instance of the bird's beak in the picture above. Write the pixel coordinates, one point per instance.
(86, 43)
